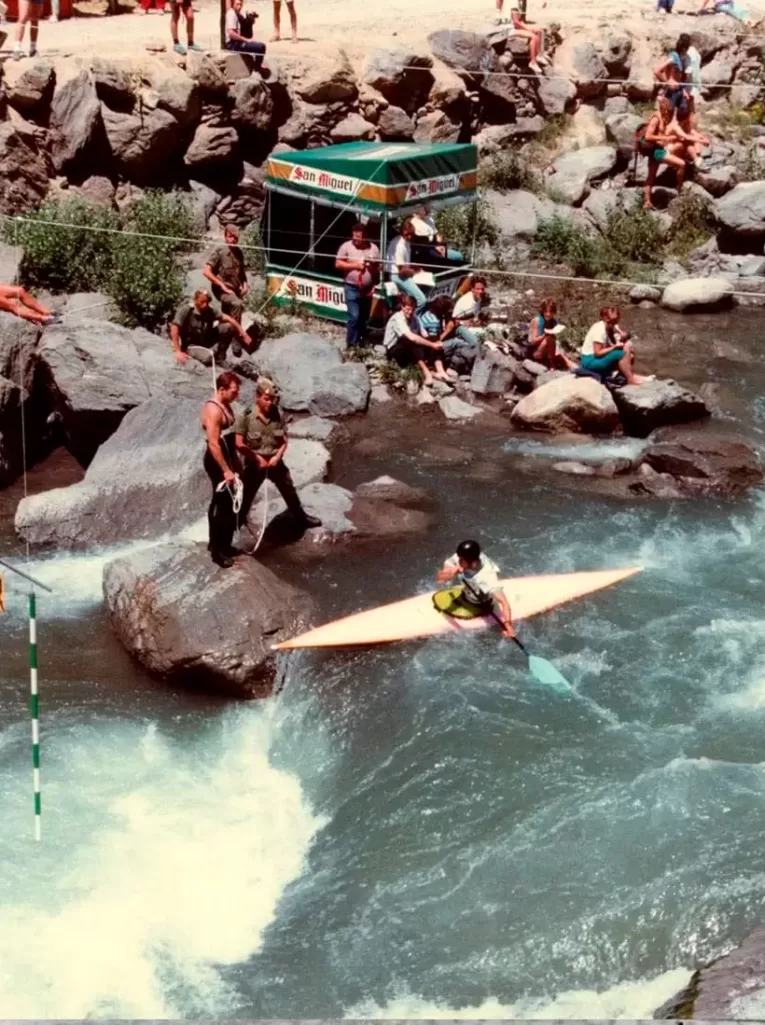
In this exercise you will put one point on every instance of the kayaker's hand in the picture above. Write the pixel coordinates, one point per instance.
(508, 631)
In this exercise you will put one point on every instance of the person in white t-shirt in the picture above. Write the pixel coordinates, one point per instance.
(480, 590)
(399, 264)
(428, 240)
(607, 348)
(405, 345)
(462, 343)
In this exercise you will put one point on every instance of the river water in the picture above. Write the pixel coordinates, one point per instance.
(416, 830)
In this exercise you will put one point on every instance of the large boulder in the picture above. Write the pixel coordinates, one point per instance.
(644, 407)
(581, 62)
(448, 91)
(113, 84)
(518, 213)
(616, 54)
(395, 124)
(330, 81)
(436, 126)
(253, 103)
(11, 451)
(698, 295)
(556, 95)
(353, 128)
(95, 372)
(404, 77)
(703, 462)
(577, 404)
(145, 480)
(466, 52)
(141, 145)
(742, 211)
(176, 93)
(493, 373)
(620, 129)
(574, 171)
(75, 118)
(23, 170)
(28, 85)
(211, 147)
(311, 375)
(185, 620)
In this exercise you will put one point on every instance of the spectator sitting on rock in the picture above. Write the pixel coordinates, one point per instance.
(427, 238)
(685, 130)
(198, 326)
(225, 271)
(607, 348)
(462, 342)
(239, 33)
(406, 347)
(16, 300)
(674, 72)
(399, 264)
(522, 30)
(434, 321)
(659, 142)
(544, 329)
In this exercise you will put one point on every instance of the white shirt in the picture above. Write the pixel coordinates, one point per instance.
(480, 582)
(597, 333)
(424, 225)
(694, 71)
(395, 328)
(466, 307)
(399, 254)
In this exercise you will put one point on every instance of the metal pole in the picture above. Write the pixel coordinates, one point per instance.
(34, 706)
(26, 576)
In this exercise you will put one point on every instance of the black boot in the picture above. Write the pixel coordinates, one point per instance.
(221, 560)
(308, 521)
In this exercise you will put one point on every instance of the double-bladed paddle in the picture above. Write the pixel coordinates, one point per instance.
(542, 670)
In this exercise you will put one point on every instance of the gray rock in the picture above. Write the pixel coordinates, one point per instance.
(717, 180)
(353, 128)
(715, 75)
(645, 293)
(620, 129)
(388, 489)
(574, 469)
(454, 408)
(436, 127)
(308, 461)
(448, 92)
(141, 147)
(92, 390)
(253, 103)
(404, 77)
(593, 162)
(204, 200)
(742, 211)
(98, 190)
(518, 213)
(28, 85)
(311, 375)
(581, 62)
(112, 84)
(705, 463)
(556, 95)
(177, 93)
(208, 76)
(92, 305)
(645, 407)
(145, 480)
(463, 51)
(380, 394)
(617, 105)
(75, 118)
(577, 404)
(187, 621)
(211, 147)
(751, 266)
(23, 170)
(395, 124)
(698, 294)
(10, 261)
(330, 81)
(315, 427)
(617, 54)
(493, 373)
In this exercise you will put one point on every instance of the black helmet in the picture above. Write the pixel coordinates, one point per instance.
(470, 551)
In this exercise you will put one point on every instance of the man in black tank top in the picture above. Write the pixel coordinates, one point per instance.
(221, 464)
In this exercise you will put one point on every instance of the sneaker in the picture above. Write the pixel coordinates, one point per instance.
(195, 47)
(533, 66)
(541, 59)
(222, 560)
(17, 54)
(179, 48)
(32, 51)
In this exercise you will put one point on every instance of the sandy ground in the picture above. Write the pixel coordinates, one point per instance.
(326, 25)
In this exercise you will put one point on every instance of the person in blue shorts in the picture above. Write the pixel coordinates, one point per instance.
(607, 348)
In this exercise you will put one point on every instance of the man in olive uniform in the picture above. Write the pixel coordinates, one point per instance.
(198, 324)
(225, 272)
(261, 441)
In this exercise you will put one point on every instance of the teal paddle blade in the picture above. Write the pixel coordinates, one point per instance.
(546, 673)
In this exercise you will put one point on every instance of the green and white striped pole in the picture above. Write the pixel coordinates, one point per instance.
(34, 703)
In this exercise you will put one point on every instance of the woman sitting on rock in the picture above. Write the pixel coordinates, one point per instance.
(438, 322)
(661, 140)
(544, 329)
(405, 346)
(607, 349)
(685, 129)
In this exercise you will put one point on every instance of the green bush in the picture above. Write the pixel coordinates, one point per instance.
(146, 280)
(461, 226)
(506, 171)
(634, 233)
(252, 246)
(560, 239)
(67, 245)
(693, 221)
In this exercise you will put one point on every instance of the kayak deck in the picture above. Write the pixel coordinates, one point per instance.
(417, 617)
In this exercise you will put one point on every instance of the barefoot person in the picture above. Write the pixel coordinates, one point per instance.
(607, 348)
(221, 465)
(659, 142)
(278, 20)
(544, 329)
(407, 347)
(478, 589)
(20, 303)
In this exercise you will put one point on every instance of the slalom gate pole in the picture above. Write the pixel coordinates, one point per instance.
(34, 704)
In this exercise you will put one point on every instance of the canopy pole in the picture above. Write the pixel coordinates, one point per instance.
(34, 705)
(26, 576)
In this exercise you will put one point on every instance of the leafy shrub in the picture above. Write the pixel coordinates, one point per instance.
(693, 222)
(634, 233)
(461, 226)
(252, 246)
(560, 239)
(146, 280)
(67, 245)
(506, 171)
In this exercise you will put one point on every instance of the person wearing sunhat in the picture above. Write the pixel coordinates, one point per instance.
(261, 441)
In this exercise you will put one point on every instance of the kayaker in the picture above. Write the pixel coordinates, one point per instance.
(481, 590)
